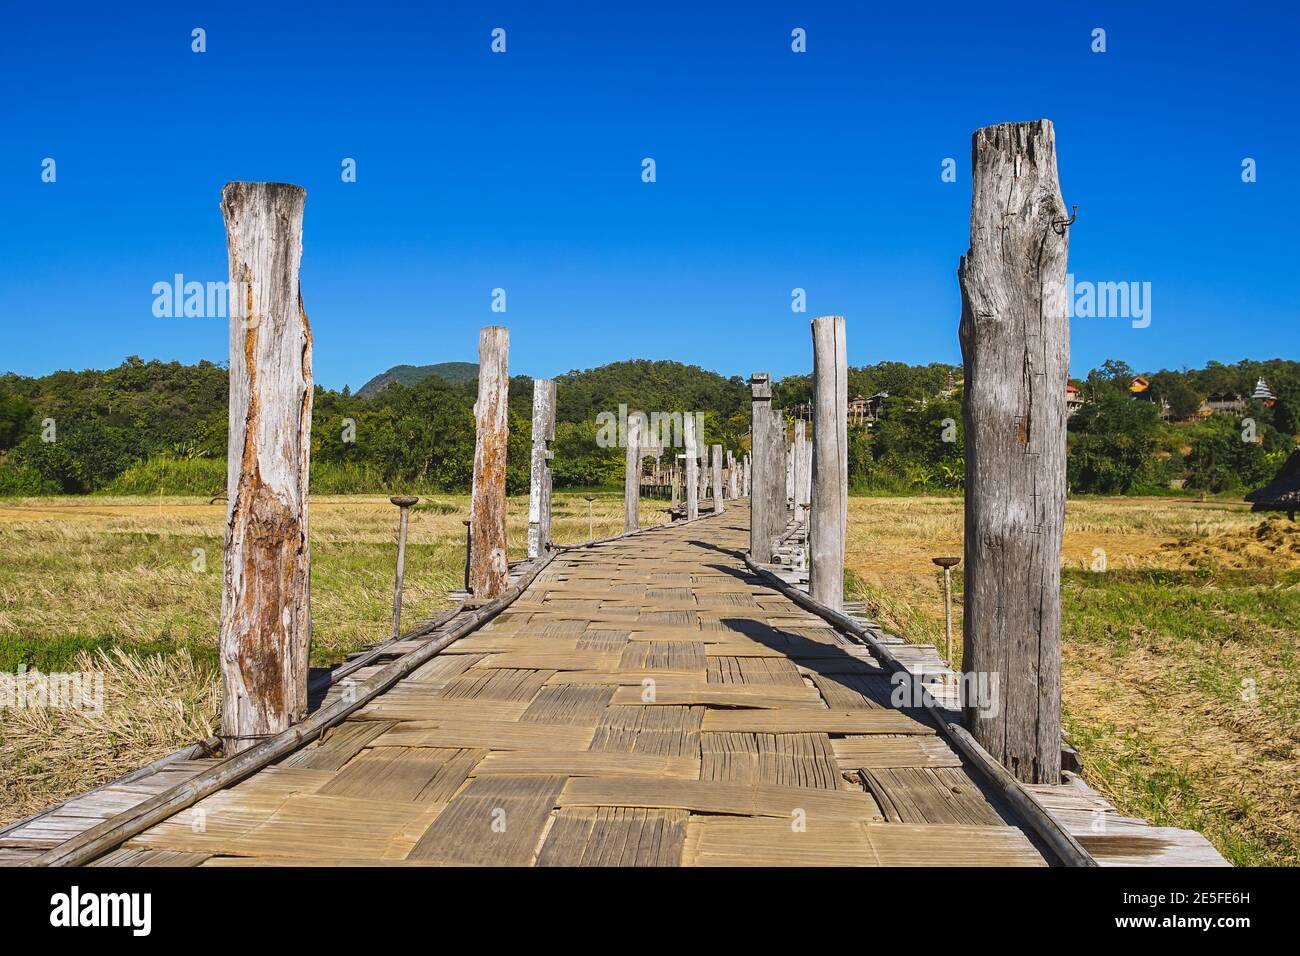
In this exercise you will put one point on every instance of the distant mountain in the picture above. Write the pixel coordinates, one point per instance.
(451, 372)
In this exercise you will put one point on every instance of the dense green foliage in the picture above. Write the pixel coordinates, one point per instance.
(148, 426)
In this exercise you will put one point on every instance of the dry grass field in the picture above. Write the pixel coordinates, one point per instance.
(1181, 660)
(1182, 685)
(131, 587)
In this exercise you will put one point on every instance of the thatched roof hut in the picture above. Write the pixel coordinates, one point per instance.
(1283, 492)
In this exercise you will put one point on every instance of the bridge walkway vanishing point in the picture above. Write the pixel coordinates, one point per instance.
(645, 701)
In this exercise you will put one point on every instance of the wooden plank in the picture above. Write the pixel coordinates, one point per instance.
(909, 844)
(930, 795)
(669, 731)
(765, 841)
(488, 735)
(586, 763)
(791, 803)
(723, 695)
(615, 836)
(809, 720)
(494, 821)
(426, 774)
(880, 752)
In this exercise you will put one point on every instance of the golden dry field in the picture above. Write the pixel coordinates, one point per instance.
(1181, 660)
(1182, 684)
(131, 587)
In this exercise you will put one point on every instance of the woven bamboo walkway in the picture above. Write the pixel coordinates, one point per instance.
(645, 702)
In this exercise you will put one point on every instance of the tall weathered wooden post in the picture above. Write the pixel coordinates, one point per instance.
(718, 506)
(829, 512)
(539, 484)
(733, 476)
(488, 570)
(632, 472)
(673, 479)
(745, 476)
(265, 638)
(692, 466)
(1015, 346)
(767, 497)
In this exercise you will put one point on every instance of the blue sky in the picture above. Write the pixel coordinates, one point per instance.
(522, 171)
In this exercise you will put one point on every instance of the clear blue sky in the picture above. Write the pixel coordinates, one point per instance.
(522, 171)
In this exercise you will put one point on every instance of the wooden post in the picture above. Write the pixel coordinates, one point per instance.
(746, 476)
(488, 571)
(672, 478)
(539, 485)
(1015, 347)
(802, 472)
(789, 470)
(718, 506)
(265, 638)
(733, 476)
(828, 520)
(692, 464)
(404, 504)
(766, 506)
(632, 473)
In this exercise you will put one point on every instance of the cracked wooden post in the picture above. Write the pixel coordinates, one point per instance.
(673, 480)
(632, 472)
(1015, 347)
(265, 640)
(733, 476)
(692, 465)
(488, 570)
(539, 485)
(829, 508)
(718, 506)
(767, 504)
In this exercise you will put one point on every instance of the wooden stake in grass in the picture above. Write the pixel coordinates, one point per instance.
(539, 486)
(265, 599)
(487, 575)
(1015, 346)
(829, 508)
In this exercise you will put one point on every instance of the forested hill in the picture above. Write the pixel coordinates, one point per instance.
(151, 426)
(453, 372)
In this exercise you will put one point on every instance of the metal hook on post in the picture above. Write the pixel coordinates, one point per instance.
(1060, 225)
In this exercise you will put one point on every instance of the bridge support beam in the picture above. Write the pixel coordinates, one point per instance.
(802, 472)
(488, 571)
(718, 506)
(1015, 347)
(539, 485)
(632, 472)
(829, 512)
(265, 637)
(767, 498)
(692, 469)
